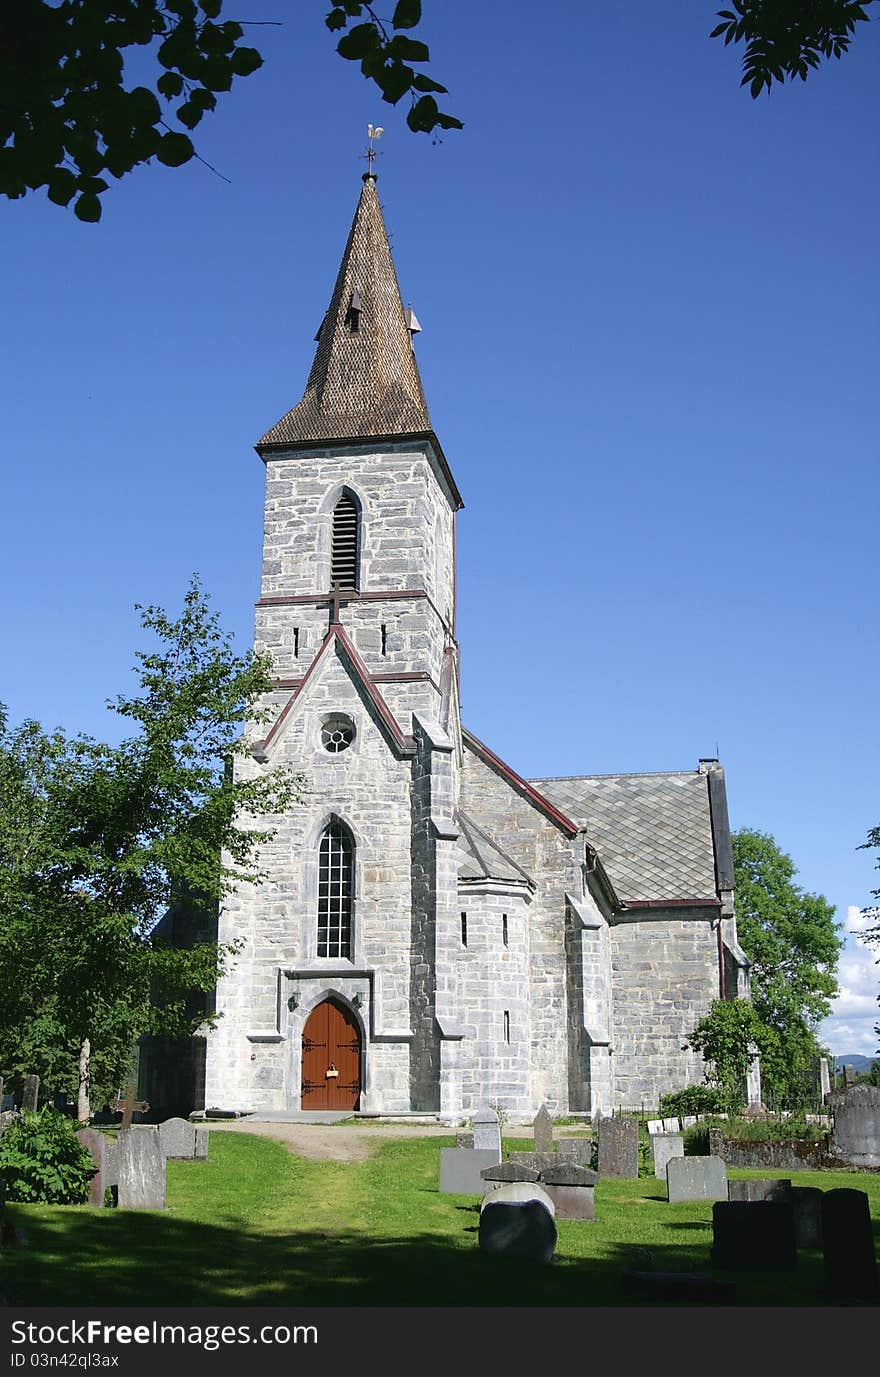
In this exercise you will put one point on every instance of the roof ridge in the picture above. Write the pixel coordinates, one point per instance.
(614, 774)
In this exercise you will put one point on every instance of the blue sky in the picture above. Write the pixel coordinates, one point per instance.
(650, 347)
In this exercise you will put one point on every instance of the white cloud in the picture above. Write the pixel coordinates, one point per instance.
(850, 1026)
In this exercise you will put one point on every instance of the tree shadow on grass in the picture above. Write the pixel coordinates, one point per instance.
(105, 1258)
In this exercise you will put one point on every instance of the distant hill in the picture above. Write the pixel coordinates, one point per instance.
(856, 1061)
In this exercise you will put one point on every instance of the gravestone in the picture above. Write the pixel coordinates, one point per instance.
(464, 1140)
(129, 1106)
(140, 1167)
(655, 1126)
(671, 1126)
(807, 1204)
(664, 1147)
(96, 1143)
(824, 1079)
(689, 1121)
(487, 1132)
(543, 1130)
(30, 1095)
(855, 1136)
(578, 1150)
(538, 1160)
(181, 1139)
(518, 1220)
(619, 1147)
(753, 1236)
(572, 1190)
(505, 1172)
(848, 1247)
(696, 1178)
(460, 1169)
(761, 1188)
(849, 1077)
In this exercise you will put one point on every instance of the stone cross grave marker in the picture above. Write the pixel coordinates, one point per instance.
(543, 1128)
(129, 1106)
(30, 1095)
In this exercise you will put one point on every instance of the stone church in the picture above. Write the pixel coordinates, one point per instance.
(435, 931)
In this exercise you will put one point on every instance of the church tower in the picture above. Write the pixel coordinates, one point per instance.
(333, 1000)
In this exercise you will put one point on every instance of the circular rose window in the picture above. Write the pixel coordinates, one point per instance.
(337, 733)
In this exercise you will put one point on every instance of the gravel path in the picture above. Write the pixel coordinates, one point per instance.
(336, 1142)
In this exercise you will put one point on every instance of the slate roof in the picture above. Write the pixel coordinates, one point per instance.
(363, 381)
(653, 832)
(482, 859)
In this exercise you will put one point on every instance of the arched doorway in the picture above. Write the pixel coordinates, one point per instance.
(331, 1058)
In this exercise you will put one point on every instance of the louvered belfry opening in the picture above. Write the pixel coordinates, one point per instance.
(335, 890)
(344, 551)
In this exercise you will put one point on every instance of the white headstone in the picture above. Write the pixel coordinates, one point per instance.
(655, 1125)
(487, 1131)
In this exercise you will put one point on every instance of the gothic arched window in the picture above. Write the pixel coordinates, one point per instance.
(345, 545)
(335, 890)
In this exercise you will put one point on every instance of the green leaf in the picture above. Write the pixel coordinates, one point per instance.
(246, 60)
(395, 81)
(423, 116)
(358, 42)
(170, 84)
(62, 186)
(174, 150)
(425, 83)
(210, 7)
(336, 19)
(189, 114)
(407, 49)
(87, 208)
(407, 14)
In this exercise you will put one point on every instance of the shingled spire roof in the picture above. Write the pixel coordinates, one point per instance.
(364, 379)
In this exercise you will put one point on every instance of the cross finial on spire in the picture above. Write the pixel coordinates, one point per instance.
(374, 131)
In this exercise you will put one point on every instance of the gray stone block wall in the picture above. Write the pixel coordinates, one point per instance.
(665, 975)
(544, 853)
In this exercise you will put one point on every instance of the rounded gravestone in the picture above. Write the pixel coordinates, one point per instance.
(518, 1220)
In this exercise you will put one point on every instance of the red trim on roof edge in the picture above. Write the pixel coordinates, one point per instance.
(674, 903)
(521, 785)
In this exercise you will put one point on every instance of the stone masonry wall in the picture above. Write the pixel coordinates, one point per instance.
(665, 975)
(368, 788)
(544, 853)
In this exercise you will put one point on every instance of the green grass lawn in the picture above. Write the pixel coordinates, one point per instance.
(255, 1225)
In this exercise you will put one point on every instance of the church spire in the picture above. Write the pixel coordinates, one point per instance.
(364, 379)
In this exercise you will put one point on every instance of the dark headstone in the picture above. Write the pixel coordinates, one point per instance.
(848, 1247)
(140, 1169)
(619, 1147)
(807, 1204)
(684, 1286)
(762, 1188)
(509, 1171)
(543, 1130)
(753, 1236)
(518, 1221)
(30, 1095)
(97, 1145)
(220, 1114)
(849, 1076)
(572, 1202)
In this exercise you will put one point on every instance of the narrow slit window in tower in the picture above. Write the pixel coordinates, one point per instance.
(384, 639)
(344, 550)
(504, 928)
(464, 929)
(507, 1025)
(296, 642)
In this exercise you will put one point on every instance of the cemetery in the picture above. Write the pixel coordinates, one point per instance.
(186, 1214)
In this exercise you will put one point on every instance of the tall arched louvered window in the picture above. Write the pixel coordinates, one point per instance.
(345, 548)
(335, 890)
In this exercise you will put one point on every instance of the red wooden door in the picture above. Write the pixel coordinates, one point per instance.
(331, 1043)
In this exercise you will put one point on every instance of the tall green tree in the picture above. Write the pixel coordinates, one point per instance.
(793, 944)
(98, 842)
(785, 39)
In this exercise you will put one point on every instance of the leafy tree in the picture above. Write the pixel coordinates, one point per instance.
(71, 116)
(98, 842)
(792, 941)
(729, 1037)
(789, 38)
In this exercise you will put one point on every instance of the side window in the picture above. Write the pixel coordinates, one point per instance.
(335, 890)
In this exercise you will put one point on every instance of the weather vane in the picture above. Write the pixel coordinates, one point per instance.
(373, 132)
